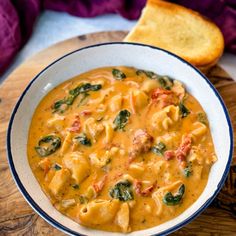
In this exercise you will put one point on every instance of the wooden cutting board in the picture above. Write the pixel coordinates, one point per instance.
(17, 217)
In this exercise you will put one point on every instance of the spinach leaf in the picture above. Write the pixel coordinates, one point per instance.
(48, 145)
(122, 191)
(121, 119)
(83, 139)
(171, 200)
(165, 82)
(149, 74)
(84, 88)
(57, 167)
(57, 105)
(118, 74)
(73, 94)
(202, 118)
(159, 148)
(183, 110)
(69, 100)
(84, 96)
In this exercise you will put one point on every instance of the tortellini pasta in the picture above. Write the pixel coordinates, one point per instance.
(92, 128)
(78, 165)
(199, 130)
(149, 85)
(140, 99)
(66, 143)
(157, 167)
(165, 118)
(98, 212)
(58, 122)
(136, 169)
(122, 218)
(158, 196)
(170, 139)
(109, 132)
(58, 182)
(116, 103)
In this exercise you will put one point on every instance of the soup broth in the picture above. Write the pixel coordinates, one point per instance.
(120, 149)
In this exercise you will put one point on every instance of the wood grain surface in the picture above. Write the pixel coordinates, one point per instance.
(17, 217)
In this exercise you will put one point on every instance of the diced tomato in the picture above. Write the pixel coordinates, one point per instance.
(86, 113)
(100, 184)
(168, 155)
(76, 125)
(184, 149)
(131, 158)
(138, 188)
(147, 191)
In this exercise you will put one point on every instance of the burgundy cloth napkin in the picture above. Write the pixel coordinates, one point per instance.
(17, 18)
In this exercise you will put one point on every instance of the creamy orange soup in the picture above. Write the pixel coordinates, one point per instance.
(120, 149)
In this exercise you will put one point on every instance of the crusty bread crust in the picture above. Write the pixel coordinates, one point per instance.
(207, 67)
(179, 30)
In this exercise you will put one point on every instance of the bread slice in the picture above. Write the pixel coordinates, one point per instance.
(179, 30)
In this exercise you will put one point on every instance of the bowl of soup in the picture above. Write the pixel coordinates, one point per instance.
(119, 138)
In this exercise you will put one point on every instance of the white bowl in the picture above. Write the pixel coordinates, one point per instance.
(115, 54)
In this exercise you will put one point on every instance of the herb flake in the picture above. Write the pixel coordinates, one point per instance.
(187, 172)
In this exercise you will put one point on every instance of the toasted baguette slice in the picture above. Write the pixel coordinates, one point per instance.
(179, 30)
